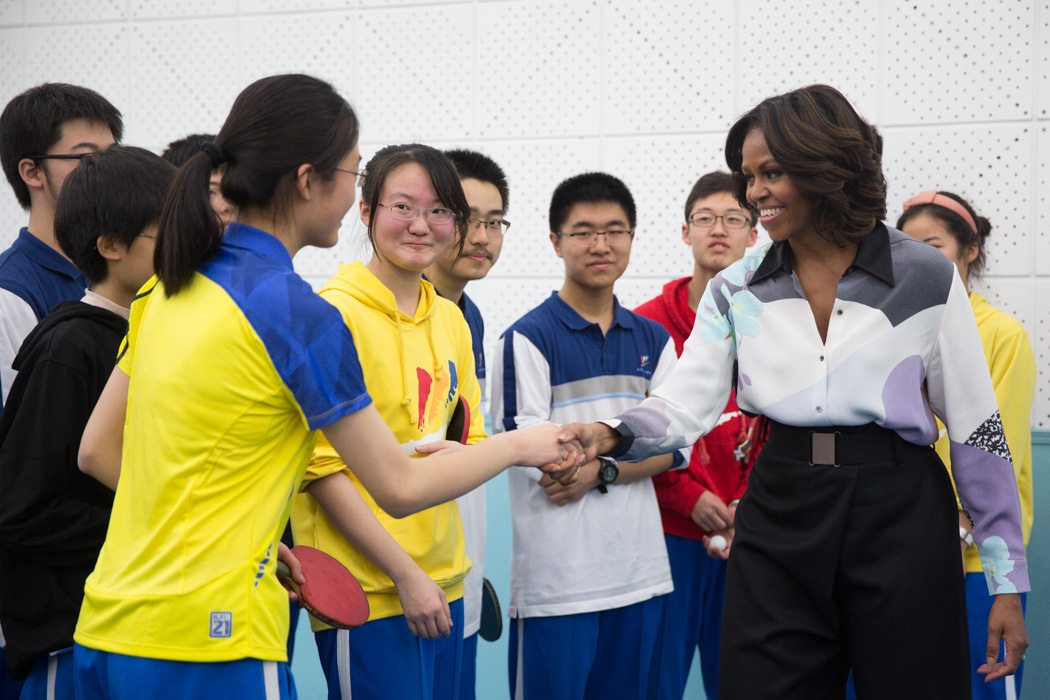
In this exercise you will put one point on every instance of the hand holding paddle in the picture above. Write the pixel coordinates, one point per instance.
(325, 588)
(292, 568)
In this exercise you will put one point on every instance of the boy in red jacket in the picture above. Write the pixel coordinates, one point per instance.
(698, 502)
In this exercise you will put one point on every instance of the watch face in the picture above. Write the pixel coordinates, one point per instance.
(608, 472)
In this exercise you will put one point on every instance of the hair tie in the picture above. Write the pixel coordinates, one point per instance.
(937, 199)
(218, 157)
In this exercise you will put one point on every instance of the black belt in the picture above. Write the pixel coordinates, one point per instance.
(837, 445)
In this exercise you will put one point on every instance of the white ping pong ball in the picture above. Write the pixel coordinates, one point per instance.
(719, 543)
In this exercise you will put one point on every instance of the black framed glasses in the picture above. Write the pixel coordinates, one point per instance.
(405, 212)
(357, 175)
(704, 219)
(611, 237)
(499, 226)
(62, 156)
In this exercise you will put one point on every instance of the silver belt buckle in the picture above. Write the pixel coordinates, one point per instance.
(823, 451)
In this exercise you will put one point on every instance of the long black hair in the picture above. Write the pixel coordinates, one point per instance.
(276, 124)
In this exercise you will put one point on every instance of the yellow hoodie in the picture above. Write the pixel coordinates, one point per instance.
(415, 368)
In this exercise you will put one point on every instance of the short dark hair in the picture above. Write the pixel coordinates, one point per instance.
(443, 177)
(712, 183)
(275, 125)
(478, 166)
(117, 192)
(827, 150)
(32, 123)
(589, 187)
(958, 227)
(178, 152)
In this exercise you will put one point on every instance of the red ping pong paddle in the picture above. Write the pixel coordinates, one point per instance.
(330, 592)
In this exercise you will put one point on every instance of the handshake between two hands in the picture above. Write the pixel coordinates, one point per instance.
(558, 451)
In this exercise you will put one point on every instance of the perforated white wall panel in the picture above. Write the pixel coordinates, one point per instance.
(551, 88)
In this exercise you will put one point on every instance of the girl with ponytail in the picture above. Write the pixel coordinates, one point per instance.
(231, 366)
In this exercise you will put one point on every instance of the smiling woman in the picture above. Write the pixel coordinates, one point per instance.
(848, 335)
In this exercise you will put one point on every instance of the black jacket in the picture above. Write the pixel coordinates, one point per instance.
(53, 518)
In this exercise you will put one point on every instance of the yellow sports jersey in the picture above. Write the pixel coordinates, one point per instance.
(416, 367)
(230, 378)
(1012, 365)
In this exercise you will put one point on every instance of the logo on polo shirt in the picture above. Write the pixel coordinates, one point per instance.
(221, 624)
(644, 367)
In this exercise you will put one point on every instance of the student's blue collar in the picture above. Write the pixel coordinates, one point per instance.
(569, 316)
(45, 256)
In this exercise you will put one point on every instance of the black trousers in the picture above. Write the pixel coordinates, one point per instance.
(855, 565)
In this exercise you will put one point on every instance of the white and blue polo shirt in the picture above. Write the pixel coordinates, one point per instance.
(606, 550)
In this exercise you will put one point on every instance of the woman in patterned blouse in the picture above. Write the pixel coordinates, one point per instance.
(849, 336)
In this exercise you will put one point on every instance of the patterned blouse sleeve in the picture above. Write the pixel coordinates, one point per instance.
(960, 391)
(688, 404)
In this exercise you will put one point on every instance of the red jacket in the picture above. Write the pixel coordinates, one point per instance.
(712, 466)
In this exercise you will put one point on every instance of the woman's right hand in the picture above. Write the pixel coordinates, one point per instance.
(426, 608)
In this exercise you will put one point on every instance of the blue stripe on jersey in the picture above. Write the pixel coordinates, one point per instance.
(597, 397)
(472, 315)
(305, 336)
(510, 387)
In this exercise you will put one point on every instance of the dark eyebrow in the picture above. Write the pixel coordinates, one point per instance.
(730, 209)
(588, 224)
(435, 202)
(490, 212)
(85, 144)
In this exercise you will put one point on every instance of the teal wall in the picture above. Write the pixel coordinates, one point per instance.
(492, 658)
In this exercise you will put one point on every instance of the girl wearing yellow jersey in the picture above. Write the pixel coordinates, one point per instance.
(418, 363)
(230, 368)
(949, 223)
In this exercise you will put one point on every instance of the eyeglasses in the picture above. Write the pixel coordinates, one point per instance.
(147, 235)
(499, 226)
(435, 215)
(589, 237)
(705, 220)
(62, 156)
(357, 176)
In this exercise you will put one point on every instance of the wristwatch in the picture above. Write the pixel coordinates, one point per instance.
(607, 473)
(964, 534)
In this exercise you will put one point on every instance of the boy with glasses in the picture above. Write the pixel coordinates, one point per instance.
(44, 132)
(589, 564)
(698, 502)
(485, 186)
